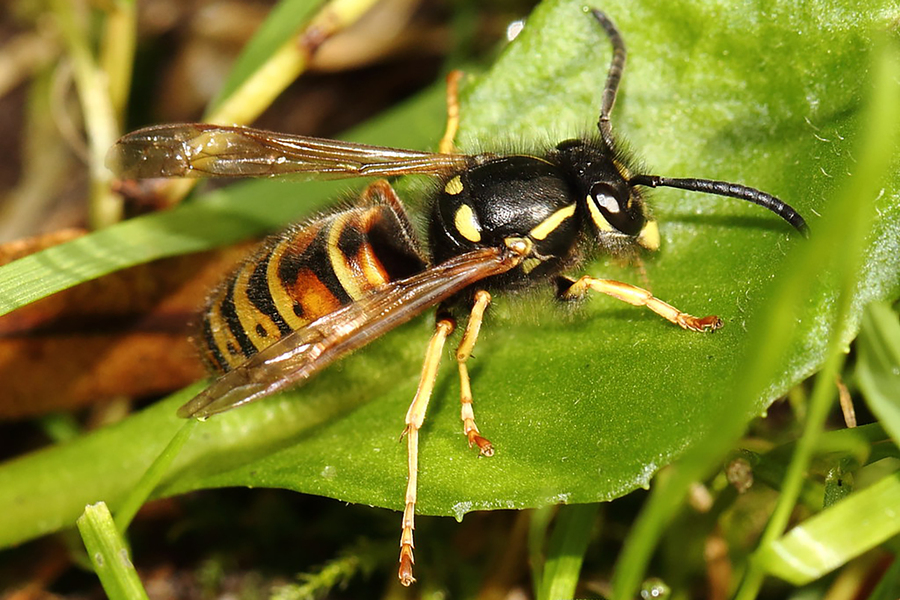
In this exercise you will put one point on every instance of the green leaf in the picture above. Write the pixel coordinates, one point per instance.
(582, 405)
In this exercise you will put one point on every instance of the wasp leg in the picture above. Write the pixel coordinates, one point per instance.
(414, 419)
(476, 316)
(640, 297)
(446, 146)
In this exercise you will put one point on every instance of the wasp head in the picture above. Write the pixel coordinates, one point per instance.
(600, 179)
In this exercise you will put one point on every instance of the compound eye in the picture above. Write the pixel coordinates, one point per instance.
(611, 210)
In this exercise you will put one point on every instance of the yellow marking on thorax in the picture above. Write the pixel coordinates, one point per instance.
(465, 223)
(545, 227)
(454, 186)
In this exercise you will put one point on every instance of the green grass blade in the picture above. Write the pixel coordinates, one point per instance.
(889, 586)
(861, 522)
(565, 552)
(878, 369)
(283, 22)
(282, 65)
(109, 554)
(853, 221)
(153, 476)
(539, 524)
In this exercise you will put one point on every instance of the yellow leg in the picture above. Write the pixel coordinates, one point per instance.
(482, 299)
(641, 297)
(446, 146)
(414, 419)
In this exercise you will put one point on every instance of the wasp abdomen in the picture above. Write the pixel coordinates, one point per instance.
(302, 274)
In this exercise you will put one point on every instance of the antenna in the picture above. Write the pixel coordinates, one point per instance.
(731, 190)
(613, 77)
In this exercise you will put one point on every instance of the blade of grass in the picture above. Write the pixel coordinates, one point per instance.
(878, 369)
(571, 534)
(223, 217)
(154, 474)
(851, 220)
(276, 56)
(537, 533)
(97, 109)
(283, 22)
(109, 554)
(819, 406)
(359, 559)
(260, 88)
(861, 522)
(117, 53)
(889, 586)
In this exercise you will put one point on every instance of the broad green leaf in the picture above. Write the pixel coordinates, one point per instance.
(587, 404)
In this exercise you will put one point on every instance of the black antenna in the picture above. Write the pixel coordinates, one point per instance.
(707, 186)
(613, 77)
(731, 190)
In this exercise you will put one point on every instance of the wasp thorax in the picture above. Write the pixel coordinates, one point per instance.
(505, 198)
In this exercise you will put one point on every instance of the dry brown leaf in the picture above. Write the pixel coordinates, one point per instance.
(126, 334)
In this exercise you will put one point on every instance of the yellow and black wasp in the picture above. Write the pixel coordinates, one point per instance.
(327, 287)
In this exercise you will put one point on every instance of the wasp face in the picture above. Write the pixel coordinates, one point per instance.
(616, 209)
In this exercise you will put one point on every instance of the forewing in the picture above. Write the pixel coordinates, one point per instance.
(203, 150)
(301, 354)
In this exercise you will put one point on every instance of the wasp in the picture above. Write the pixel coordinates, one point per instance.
(497, 222)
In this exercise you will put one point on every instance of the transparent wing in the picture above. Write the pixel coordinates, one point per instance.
(203, 150)
(301, 354)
